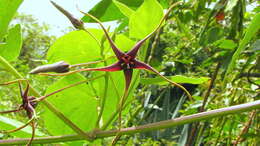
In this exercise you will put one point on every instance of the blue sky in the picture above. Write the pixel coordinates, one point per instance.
(45, 12)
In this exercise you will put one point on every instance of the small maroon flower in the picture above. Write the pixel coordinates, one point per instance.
(28, 105)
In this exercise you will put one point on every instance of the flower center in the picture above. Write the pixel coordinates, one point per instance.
(127, 62)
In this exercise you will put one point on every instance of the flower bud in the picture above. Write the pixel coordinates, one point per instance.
(58, 67)
(78, 24)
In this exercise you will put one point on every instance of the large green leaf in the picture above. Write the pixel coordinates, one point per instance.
(7, 11)
(177, 79)
(145, 19)
(77, 103)
(250, 33)
(227, 44)
(76, 47)
(79, 47)
(8, 124)
(10, 50)
(106, 10)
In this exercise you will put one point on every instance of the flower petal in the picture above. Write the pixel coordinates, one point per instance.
(24, 94)
(135, 49)
(141, 65)
(128, 77)
(117, 52)
(110, 68)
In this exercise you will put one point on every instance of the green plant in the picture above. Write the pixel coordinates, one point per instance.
(193, 42)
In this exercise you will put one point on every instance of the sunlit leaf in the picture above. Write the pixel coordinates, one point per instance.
(76, 47)
(145, 19)
(124, 43)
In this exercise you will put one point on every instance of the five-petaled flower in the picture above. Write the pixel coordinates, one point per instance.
(127, 61)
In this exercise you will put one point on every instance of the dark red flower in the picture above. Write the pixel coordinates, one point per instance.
(28, 105)
(126, 61)
(220, 16)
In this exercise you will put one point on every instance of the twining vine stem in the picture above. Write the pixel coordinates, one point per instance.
(143, 128)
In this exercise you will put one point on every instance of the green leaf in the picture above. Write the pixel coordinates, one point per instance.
(124, 43)
(177, 79)
(76, 103)
(79, 47)
(214, 34)
(8, 124)
(250, 33)
(227, 44)
(106, 10)
(145, 19)
(124, 8)
(10, 50)
(7, 10)
(76, 47)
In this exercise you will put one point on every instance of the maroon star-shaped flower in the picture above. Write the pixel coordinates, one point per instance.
(126, 61)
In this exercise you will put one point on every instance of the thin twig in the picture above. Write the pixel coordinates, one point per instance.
(206, 96)
(245, 129)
